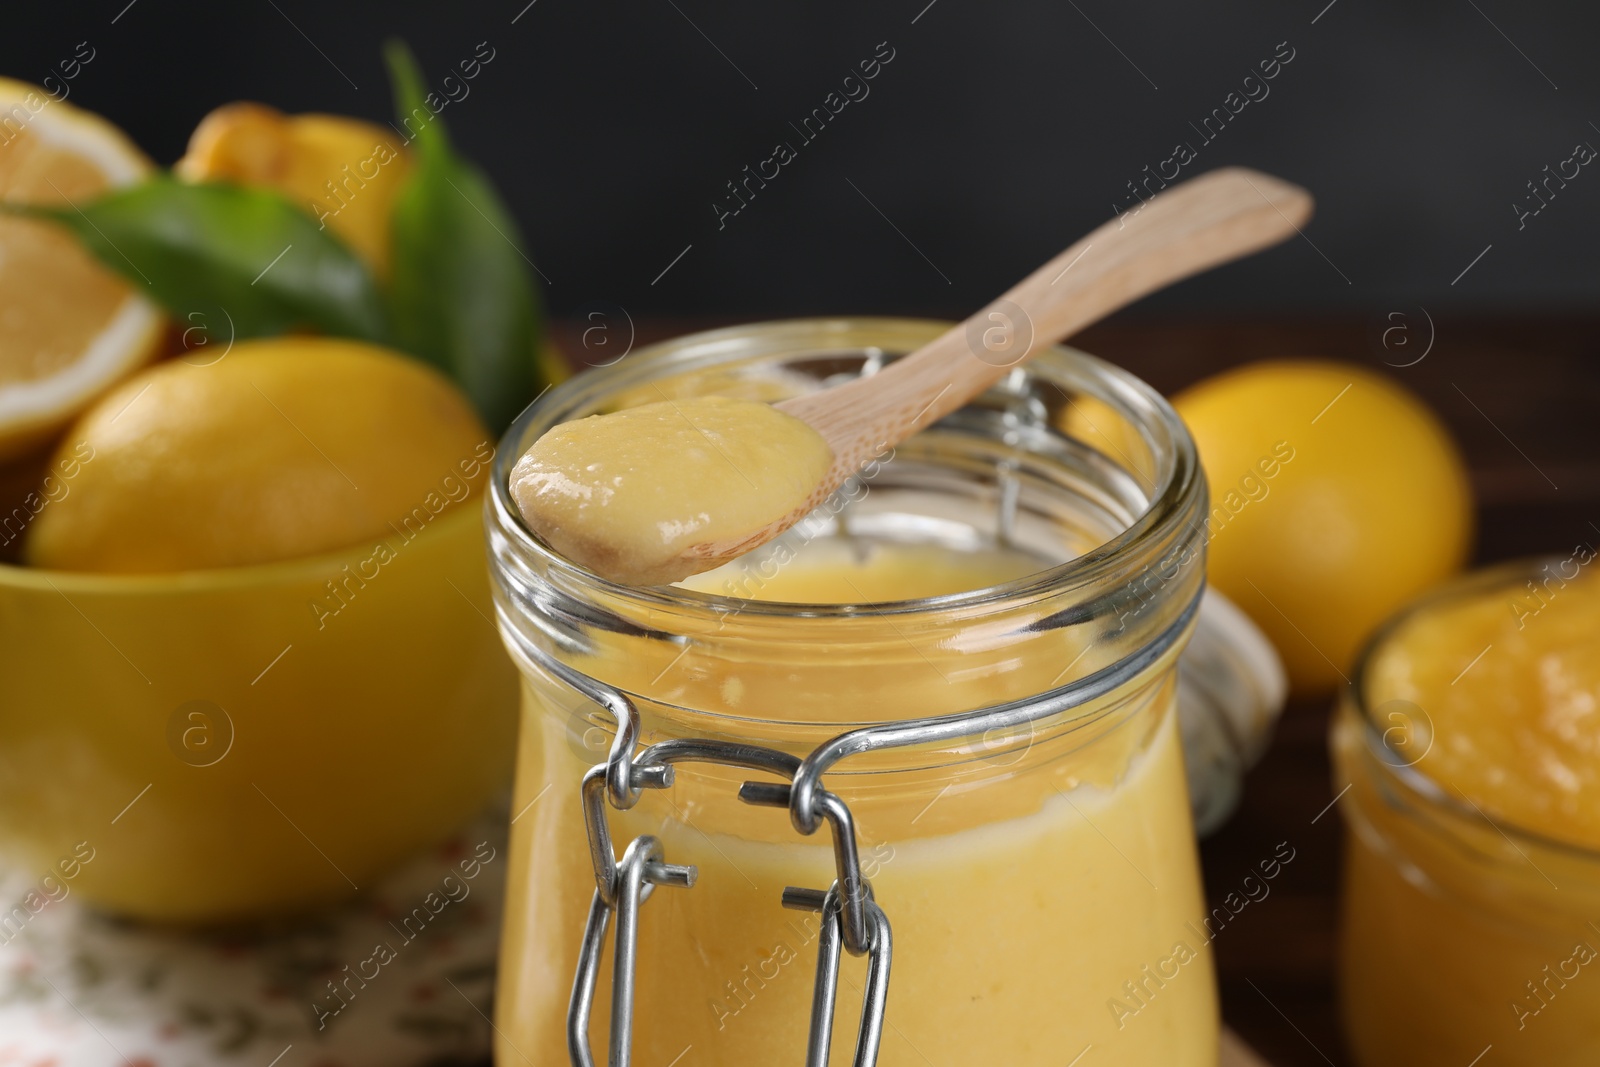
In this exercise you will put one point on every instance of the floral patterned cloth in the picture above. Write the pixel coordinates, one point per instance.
(78, 989)
(403, 978)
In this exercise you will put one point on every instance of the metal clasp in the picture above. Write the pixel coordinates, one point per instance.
(851, 889)
(852, 920)
(874, 999)
(636, 877)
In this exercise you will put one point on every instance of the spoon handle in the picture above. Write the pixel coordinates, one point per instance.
(1191, 227)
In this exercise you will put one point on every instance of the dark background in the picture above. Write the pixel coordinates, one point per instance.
(999, 132)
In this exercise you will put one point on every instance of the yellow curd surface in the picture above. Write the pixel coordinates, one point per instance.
(627, 493)
(1481, 929)
(1044, 895)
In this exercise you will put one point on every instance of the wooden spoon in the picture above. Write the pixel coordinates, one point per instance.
(1199, 224)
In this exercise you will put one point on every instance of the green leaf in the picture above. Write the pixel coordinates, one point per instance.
(213, 248)
(461, 292)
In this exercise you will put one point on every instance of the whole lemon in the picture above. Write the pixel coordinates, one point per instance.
(1336, 497)
(283, 448)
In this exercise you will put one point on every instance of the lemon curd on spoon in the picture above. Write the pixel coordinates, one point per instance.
(626, 493)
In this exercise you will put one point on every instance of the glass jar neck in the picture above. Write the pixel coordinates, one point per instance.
(1070, 461)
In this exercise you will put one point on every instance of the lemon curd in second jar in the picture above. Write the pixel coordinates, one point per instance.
(1043, 889)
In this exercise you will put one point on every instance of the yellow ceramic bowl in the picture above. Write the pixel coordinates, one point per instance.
(252, 741)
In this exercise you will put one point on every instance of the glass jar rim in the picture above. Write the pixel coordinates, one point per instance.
(1167, 503)
(1375, 736)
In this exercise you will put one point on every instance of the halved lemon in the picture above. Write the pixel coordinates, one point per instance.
(69, 327)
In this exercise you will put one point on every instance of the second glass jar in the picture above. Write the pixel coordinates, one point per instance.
(1466, 937)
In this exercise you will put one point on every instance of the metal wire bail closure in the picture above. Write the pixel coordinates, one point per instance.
(637, 874)
(852, 920)
(874, 1000)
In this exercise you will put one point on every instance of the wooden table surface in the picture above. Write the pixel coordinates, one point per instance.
(1522, 397)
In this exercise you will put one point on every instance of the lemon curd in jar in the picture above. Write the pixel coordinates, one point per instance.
(1042, 884)
(1472, 749)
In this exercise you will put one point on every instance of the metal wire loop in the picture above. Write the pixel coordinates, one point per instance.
(624, 780)
(637, 874)
(856, 891)
(824, 999)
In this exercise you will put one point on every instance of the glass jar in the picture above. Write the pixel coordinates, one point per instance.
(1462, 934)
(1029, 842)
